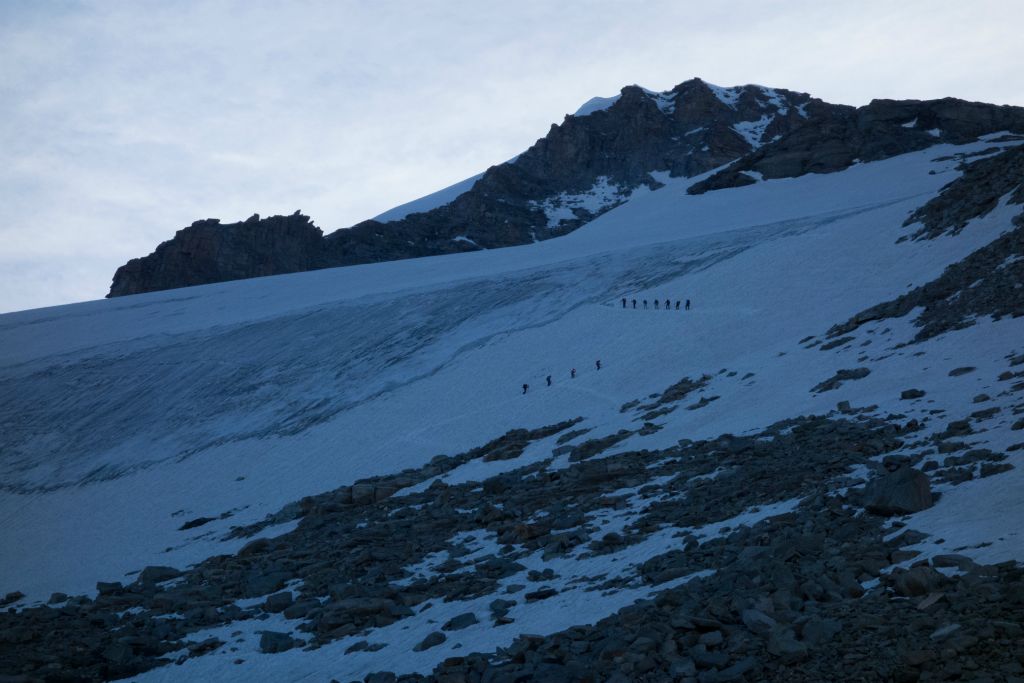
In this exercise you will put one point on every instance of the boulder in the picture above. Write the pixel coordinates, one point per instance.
(278, 602)
(273, 641)
(460, 622)
(433, 640)
(918, 581)
(157, 574)
(902, 492)
(757, 621)
(783, 644)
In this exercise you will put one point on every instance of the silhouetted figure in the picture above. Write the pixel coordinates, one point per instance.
(634, 303)
(668, 304)
(572, 373)
(598, 365)
(623, 303)
(645, 303)
(687, 304)
(549, 380)
(525, 387)
(677, 304)
(656, 304)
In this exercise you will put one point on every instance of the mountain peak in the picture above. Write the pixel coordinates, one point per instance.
(590, 163)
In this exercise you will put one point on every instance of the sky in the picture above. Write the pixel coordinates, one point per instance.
(124, 121)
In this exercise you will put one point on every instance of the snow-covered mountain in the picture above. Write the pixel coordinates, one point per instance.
(812, 473)
(591, 162)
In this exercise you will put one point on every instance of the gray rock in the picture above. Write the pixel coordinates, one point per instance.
(278, 602)
(433, 640)
(918, 581)
(783, 644)
(274, 641)
(460, 622)
(757, 621)
(705, 659)
(711, 638)
(961, 562)
(901, 492)
(816, 631)
(157, 574)
(836, 380)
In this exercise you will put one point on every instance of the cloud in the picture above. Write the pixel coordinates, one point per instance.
(123, 122)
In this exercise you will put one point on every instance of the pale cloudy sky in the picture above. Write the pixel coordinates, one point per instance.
(123, 121)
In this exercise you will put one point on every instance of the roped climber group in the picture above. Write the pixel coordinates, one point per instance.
(572, 375)
(657, 304)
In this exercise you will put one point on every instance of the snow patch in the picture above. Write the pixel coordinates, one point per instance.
(463, 238)
(563, 206)
(775, 100)
(753, 131)
(596, 104)
(727, 96)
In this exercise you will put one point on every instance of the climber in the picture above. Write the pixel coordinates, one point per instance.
(572, 373)
(623, 302)
(687, 304)
(549, 380)
(645, 303)
(668, 304)
(525, 387)
(598, 365)
(677, 304)
(634, 303)
(656, 302)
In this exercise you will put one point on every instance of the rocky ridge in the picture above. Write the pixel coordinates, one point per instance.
(583, 167)
(842, 136)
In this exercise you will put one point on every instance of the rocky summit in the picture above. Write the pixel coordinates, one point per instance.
(757, 414)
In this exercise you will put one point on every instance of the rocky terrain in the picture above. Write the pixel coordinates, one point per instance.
(881, 129)
(989, 282)
(814, 590)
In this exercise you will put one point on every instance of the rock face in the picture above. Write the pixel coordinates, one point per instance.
(208, 251)
(583, 167)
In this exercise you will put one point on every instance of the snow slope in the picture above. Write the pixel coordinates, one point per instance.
(427, 202)
(433, 200)
(123, 418)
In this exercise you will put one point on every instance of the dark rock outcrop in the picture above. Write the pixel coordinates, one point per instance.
(898, 493)
(840, 135)
(986, 283)
(973, 194)
(208, 251)
(684, 132)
